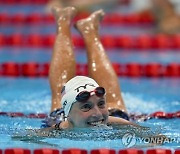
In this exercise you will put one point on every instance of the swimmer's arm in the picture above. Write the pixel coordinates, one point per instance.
(116, 120)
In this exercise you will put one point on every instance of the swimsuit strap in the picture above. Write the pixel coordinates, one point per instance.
(118, 113)
(133, 117)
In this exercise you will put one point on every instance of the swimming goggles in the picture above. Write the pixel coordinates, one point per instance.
(85, 95)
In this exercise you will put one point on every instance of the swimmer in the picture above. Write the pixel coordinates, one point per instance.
(80, 101)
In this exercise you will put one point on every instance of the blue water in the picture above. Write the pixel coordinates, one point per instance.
(33, 96)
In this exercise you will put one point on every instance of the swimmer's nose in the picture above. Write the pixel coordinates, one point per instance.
(97, 112)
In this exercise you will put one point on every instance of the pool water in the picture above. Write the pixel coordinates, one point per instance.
(28, 95)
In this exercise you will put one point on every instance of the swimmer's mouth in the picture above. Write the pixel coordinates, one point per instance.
(96, 123)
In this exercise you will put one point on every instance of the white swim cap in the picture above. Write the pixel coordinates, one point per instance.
(72, 88)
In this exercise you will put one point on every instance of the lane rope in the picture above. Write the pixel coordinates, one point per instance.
(24, 2)
(93, 151)
(141, 42)
(156, 115)
(43, 2)
(110, 18)
(150, 70)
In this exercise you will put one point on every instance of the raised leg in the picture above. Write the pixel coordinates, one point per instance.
(99, 65)
(62, 66)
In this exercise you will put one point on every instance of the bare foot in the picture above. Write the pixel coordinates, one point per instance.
(63, 14)
(90, 23)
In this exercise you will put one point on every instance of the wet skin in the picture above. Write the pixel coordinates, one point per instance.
(90, 113)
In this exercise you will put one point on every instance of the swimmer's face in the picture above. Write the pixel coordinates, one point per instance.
(90, 113)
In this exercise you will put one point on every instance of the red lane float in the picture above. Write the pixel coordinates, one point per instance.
(39, 115)
(160, 114)
(18, 18)
(2, 40)
(48, 41)
(78, 41)
(48, 18)
(131, 151)
(108, 41)
(4, 18)
(133, 19)
(110, 18)
(173, 70)
(157, 115)
(94, 151)
(24, 2)
(17, 151)
(74, 151)
(46, 151)
(30, 69)
(16, 114)
(34, 18)
(103, 151)
(142, 42)
(33, 69)
(133, 70)
(10, 69)
(158, 151)
(176, 41)
(177, 151)
(41, 2)
(35, 40)
(15, 40)
(161, 41)
(153, 70)
(19, 114)
(125, 42)
(81, 69)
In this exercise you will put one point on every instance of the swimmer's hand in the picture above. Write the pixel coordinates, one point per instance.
(63, 125)
(55, 117)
